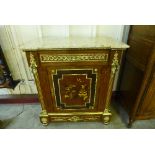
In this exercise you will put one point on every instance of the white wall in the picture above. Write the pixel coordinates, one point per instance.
(13, 36)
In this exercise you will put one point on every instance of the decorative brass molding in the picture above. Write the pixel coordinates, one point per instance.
(74, 57)
(33, 66)
(75, 118)
(114, 67)
(115, 64)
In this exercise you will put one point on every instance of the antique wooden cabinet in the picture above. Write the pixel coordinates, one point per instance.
(74, 77)
(138, 77)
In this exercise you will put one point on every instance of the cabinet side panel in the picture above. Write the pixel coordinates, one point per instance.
(148, 98)
(130, 85)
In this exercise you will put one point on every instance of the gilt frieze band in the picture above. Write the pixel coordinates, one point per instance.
(74, 57)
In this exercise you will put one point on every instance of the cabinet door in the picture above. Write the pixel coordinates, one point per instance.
(78, 88)
(148, 99)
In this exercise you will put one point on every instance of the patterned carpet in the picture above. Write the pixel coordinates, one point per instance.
(26, 117)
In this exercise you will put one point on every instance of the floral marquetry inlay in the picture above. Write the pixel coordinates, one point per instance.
(75, 88)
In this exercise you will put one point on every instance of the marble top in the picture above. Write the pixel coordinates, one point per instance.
(71, 43)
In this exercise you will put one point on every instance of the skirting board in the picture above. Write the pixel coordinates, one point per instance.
(32, 98)
(19, 99)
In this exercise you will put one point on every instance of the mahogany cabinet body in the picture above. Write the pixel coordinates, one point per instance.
(137, 84)
(74, 84)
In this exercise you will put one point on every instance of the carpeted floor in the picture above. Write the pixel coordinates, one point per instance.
(26, 117)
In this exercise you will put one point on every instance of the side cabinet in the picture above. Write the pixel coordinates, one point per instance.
(137, 84)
